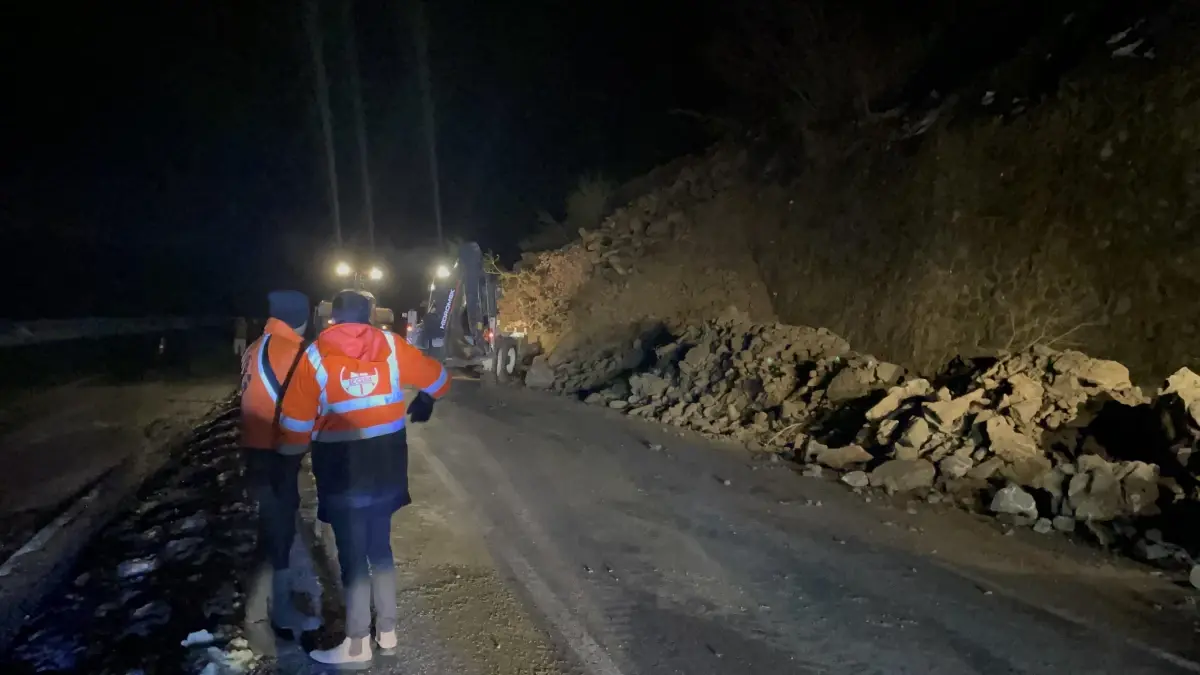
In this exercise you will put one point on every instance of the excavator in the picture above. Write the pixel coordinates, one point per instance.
(460, 327)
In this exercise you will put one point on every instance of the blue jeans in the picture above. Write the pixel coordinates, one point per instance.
(364, 546)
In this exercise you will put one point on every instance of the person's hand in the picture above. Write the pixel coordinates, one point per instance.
(421, 409)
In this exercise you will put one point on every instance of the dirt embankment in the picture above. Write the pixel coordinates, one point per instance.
(672, 257)
(1004, 221)
(985, 221)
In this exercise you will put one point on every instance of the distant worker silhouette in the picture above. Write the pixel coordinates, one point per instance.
(239, 335)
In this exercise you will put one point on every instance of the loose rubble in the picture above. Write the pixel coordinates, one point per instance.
(1047, 439)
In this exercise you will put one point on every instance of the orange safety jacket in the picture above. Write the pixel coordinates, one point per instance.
(352, 380)
(265, 365)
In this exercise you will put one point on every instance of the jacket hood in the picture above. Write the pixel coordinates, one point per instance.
(282, 329)
(357, 340)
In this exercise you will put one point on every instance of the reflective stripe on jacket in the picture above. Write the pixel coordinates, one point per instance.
(360, 397)
(366, 401)
(265, 365)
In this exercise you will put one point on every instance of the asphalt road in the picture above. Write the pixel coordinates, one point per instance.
(640, 550)
(549, 537)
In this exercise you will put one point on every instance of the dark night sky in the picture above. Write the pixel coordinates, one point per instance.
(165, 156)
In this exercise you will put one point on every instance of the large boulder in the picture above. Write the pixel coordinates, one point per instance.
(955, 466)
(647, 385)
(914, 438)
(540, 375)
(1104, 375)
(898, 395)
(1014, 501)
(904, 475)
(986, 469)
(697, 358)
(1028, 471)
(1185, 385)
(1095, 492)
(1025, 398)
(947, 414)
(888, 374)
(840, 458)
(1008, 443)
(850, 383)
(1140, 485)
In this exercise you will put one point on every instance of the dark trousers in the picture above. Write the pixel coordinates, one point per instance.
(364, 546)
(274, 483)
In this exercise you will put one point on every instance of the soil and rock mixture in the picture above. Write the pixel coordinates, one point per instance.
(1052, 440)
(675, 255)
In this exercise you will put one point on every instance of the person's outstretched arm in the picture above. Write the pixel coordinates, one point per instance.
(420, 371)
(424, 373)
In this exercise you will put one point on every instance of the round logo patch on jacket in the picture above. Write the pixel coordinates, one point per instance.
(359, 384)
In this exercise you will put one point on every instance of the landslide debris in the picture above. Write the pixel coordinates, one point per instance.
(1054, 440)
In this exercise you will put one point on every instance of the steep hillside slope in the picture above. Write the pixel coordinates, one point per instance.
(966, 226)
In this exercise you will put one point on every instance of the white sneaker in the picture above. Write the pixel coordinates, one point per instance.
(387, 640)
(350, 655)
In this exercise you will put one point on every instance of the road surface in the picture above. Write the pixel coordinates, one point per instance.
(61, 432)
(552, 537)
(650, 552)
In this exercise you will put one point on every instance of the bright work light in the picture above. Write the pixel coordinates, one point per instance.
(442, 272)
(375, 274)
(343, 269)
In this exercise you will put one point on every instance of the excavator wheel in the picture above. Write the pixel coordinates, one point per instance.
(506, 359)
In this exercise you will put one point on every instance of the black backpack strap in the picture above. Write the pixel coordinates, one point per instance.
(287, 381)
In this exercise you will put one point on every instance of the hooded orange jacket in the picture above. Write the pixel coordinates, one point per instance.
(351, 384)
(265, 365)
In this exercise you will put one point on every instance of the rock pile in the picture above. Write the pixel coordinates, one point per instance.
(1023, 437)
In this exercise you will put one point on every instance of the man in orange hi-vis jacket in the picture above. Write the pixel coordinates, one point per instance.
(274, 445)
(350, 383)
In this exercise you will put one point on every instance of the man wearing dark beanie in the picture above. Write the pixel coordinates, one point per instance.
(274, 446)
(352, 383)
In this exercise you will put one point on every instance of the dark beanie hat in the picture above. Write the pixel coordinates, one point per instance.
(291, 307)
(351, 307)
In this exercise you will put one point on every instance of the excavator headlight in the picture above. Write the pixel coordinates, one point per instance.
(343, 269)
(375, 274)
(442, 272)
